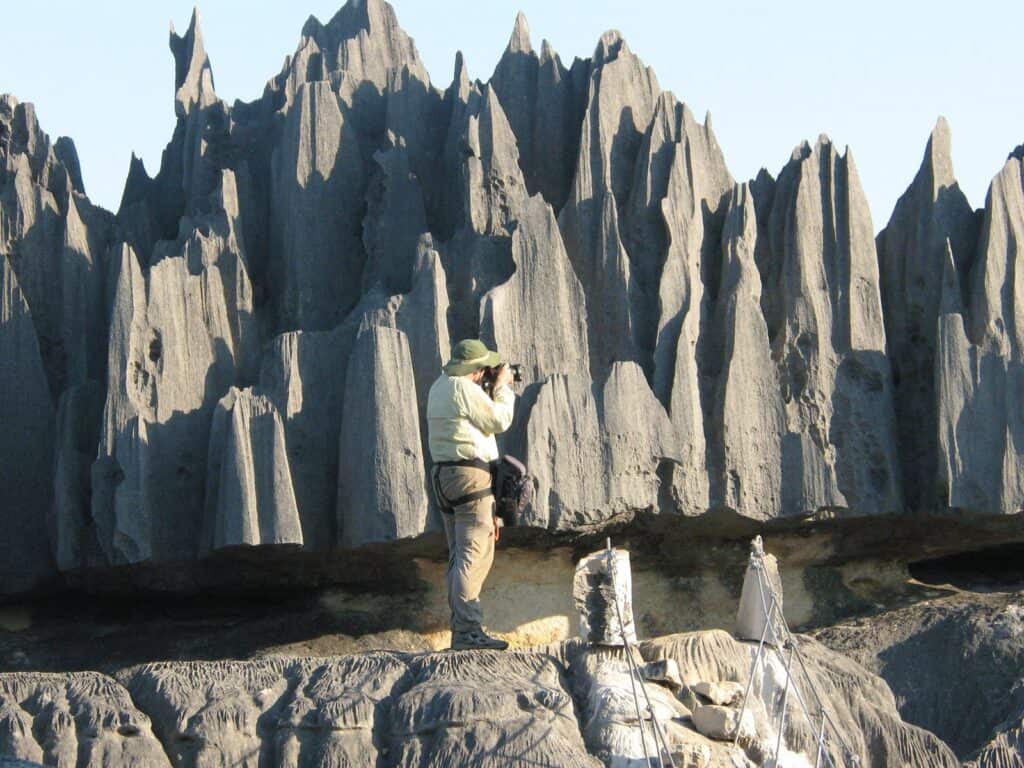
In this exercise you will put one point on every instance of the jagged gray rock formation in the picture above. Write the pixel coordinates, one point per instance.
(545, 104)
(53, 318)
(181, 336)
(839, 446)
(620, 426)
(249, 496)
(385, 708)
(76, 719)
(1005, 748)
(317, 188)
(236, 364)
(620, 103)
(692, 345)
(749, 417)
(303, 372)
(861, 705)
(380, 431)
(28, 437)
(483, 709)
(972, 691)
(275, 712)
(912, 261)
(554, 341)
(977, 363)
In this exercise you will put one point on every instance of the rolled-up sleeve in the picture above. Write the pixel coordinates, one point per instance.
(489, 416)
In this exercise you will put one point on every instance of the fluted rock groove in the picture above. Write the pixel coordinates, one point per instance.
(238, 358)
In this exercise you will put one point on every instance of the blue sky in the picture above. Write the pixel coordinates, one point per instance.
(873, 76)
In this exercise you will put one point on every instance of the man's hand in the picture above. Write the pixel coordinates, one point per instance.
(504, 377)
(498, 523)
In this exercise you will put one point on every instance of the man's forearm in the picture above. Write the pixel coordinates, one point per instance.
(490, 416)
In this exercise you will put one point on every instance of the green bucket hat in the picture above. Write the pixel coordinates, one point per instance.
(470, 355)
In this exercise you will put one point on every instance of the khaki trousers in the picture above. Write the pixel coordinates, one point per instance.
(470, 533)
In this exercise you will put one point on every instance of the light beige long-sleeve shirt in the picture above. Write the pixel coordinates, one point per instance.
(463, 420)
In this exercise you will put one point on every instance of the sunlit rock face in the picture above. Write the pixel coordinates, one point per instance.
(237, 360)
(556, 705)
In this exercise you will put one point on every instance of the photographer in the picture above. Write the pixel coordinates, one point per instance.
(462, 421)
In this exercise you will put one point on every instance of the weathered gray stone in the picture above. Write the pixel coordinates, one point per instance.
(482, 708)
(748, 420)
(181, 335)
(367, 43)
(860, 704)
(473, 708)
(639, 439)
(415, 119)
(621, 103)
(911, 256)
(515, 83)
(27, 445)
(663, 672)
(484, 192)
(421, 314)
(277, 712)
(318, 185)
(1004, 750)
(715, 351)
(200, 114)
(672, 228)
(602, 680)
(692, 347)
(79, 719)
(382, 489)
(839, 448)
(493, 182)
(565, 415)
(56, 242)
(304, 373)
(395, 223)
(79, 421)
(460, 96)
(620, 427)
(249, 496)
(978, 363)
(194, 160)
(548, 341)
(602, 590)
(970, 692)
(544, 110)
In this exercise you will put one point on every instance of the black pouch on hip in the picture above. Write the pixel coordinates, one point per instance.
(513, 488)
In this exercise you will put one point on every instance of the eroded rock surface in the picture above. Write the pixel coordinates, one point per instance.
(693, 346)
(862, 708)
(234, 366)
(449, 708)
(79, 719)
(971, 689)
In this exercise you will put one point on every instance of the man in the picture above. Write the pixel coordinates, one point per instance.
(462, 421)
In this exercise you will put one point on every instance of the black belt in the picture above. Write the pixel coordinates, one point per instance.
(449, 506)
(475, 463)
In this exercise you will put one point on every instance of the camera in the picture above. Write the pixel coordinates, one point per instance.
(491, 376)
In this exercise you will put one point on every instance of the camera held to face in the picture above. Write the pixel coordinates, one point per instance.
(491, 375)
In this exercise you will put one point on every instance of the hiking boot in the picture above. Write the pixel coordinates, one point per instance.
(477, 640)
